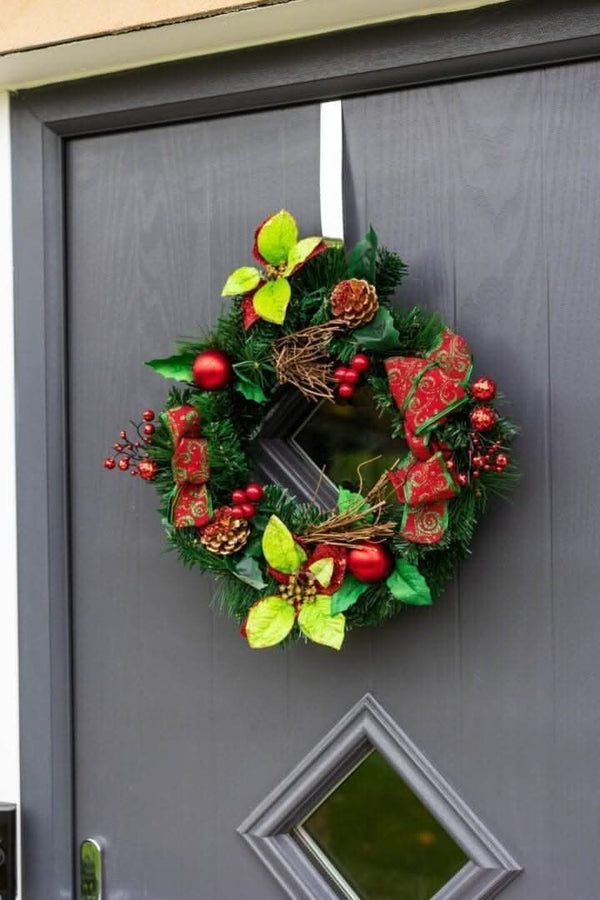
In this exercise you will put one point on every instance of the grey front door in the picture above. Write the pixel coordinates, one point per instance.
(490, 189)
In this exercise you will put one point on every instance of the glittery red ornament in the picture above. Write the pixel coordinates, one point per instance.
(148, 429)
(124, 464)
(502, 460)
(483, 388)
(370, 562)
(147, 469)
(148, 415)
(212, 370)
(109, 463)
(483, 418)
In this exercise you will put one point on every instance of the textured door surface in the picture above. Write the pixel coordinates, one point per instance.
(490, 189)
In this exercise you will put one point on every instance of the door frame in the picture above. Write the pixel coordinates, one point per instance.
(491, 40)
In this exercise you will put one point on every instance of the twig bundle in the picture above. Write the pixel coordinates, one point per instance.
(302, 359)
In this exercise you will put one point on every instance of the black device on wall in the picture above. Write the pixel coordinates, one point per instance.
(8, 853)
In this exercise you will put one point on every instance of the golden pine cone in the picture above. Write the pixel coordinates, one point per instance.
(225, 535)
(355, 301)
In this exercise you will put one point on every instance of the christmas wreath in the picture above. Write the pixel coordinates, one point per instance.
(315, 319)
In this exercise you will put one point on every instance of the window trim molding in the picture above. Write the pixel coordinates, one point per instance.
(268, 830)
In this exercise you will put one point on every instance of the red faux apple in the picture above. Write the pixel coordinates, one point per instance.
(370, 562)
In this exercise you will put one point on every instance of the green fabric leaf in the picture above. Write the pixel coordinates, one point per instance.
(350, 499)
(280, 549)
(276, 237)
(249, 382)
(178, 367)
(322, 569)
(319, 625)
(408, 585)
(363, 258)
(380, 334)
(300, 252)
(348, 594)
(271, 300)
(248, 571)
(241, 281)
(269, 622)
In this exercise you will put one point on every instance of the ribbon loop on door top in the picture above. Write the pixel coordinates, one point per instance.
(331, 159)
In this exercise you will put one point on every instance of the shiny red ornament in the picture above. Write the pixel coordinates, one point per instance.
(109, 463)
(340, 374)
(254, 492)
(346, 390)
(360, 363)
(149, 429)
(483, 418)
(502, 460)
(351, 376)
(248, 510)
(148, 415)
(212, 370)
(147, 469)
(483, 388)
(370, 562)
(238, 497)
(237, 512)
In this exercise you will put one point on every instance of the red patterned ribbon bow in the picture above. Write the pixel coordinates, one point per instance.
(426, 390)
(191, 503)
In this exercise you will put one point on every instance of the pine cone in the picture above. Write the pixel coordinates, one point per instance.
(225, 535)
(354, 301)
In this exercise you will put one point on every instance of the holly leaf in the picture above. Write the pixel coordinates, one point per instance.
(269, 622)
(348, 594)
(248, 571)
(280, 549)
(351, 500)
(271, 300)
(300, 253)
(363, 257)
(249, 387)
(380, 334)
(322, 569)
(241, 281)
(178, 368)
(319, 625)
(276, 237)
(408, 585)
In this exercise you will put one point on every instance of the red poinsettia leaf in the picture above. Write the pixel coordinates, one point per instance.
(249, 314)
(255, 251)
(281, 577)
(338, 554)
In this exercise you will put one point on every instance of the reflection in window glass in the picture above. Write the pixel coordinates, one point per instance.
(340, 436)
(381, 839)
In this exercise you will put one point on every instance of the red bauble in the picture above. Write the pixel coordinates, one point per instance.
(148, 415)
(248, 510)
(212, 370)
(147, 469)
(370, 562)
(149, 429)
(346, 390)
(483, 418)
(238, 497)
(254, 492)
(483, 388)
(352, 376)
(109, 463)
(360, 362)
(502, 460)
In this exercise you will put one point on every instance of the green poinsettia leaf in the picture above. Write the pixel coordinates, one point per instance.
(276, 237)
(322, 569)
(269, 622)
(348, 594)
(300, 253)
(351, 500)
(363, 257)
(380, 334)
(241, 281)
(178, 367)
(248, 571)
(317, 623)
(280, 549)
(271, 300)
(408, 585)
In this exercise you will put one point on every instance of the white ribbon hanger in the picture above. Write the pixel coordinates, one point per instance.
(331, 187)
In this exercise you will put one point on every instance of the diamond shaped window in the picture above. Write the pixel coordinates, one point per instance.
(365, 816)
(374, 839)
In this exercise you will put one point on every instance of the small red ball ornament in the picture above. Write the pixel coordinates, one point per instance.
(149, 429)
(352, 376)
(238, 497)
(248, 510)
(502, 460)
(483, 418)
(124, 464)
(370, 562)
(340, 373)
(147, 469)
(212, 370)
(346, 390)
(254, 492)
(237, 512)
(483, 388)
(109, 463)
(148, 415)
(360, 362)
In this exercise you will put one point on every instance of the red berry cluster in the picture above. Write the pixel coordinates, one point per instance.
(490, 458)
(245, 501)
(128, 452)
(349, 377)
